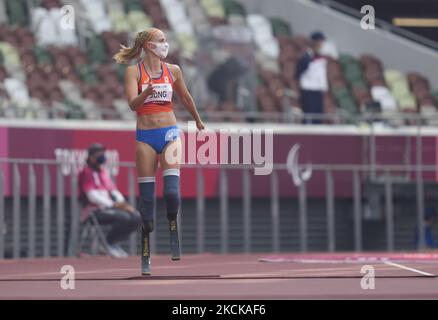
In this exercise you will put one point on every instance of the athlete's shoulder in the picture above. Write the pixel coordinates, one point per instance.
(131, 68)
(132, 72)
(174, 68)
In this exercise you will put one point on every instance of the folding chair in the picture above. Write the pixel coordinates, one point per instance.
(92, 230)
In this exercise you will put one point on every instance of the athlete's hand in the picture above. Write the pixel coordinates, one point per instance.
(149, 90)
(200, 125)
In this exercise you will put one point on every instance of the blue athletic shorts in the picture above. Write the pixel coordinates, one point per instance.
(158, 138)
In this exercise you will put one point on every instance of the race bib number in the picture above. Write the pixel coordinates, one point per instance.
(163, 93)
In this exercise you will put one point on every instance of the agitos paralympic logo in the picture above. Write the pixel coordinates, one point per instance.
(299, 175)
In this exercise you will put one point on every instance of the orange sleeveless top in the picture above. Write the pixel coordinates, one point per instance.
(161, 100)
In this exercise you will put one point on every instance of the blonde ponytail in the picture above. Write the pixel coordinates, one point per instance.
(126, 54)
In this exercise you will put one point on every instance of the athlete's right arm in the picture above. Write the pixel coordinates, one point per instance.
(135, 100)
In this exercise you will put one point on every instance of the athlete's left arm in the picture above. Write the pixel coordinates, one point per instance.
(179, 86)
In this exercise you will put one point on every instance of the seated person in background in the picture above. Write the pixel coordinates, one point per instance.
(100, 194)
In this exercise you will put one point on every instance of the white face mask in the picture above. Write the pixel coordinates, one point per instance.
(161, 49)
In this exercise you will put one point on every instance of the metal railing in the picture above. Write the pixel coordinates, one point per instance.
(68, 246)
(293, 115)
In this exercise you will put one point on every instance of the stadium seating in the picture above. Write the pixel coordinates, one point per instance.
(70, 73)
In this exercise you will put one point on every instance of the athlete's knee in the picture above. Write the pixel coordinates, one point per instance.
(147, 198)
(171, 192)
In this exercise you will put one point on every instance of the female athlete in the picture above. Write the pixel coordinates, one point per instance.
(149, 87)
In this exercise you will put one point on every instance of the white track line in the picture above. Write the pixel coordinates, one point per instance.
(407, 268)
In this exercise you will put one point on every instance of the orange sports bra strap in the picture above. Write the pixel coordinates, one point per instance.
(140, 73)
(169, 73)
(144, 69)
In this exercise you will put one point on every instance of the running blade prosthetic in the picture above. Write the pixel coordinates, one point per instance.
(175, 249)
(145, 253)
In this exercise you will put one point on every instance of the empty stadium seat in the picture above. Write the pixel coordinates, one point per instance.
(263, 36)
(233, 8)
(97, 15)
(3, 13)
(50, 4)
(17, 12)
(114, 6)
(280, 27)
(213, 8)
(17, 91)
(132, 5)
(10, 55)
(119, 22)
(97, 50)
(44, 27)
(344, 100)
(399, 86)
(407, 103)
(352, 71)
(138, 20)
(188, 44)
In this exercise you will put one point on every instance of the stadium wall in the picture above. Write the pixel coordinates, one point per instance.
(30, 140)
(66, 142)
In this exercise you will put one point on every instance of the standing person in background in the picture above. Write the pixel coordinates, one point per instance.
(100, 194)
(311, 72)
